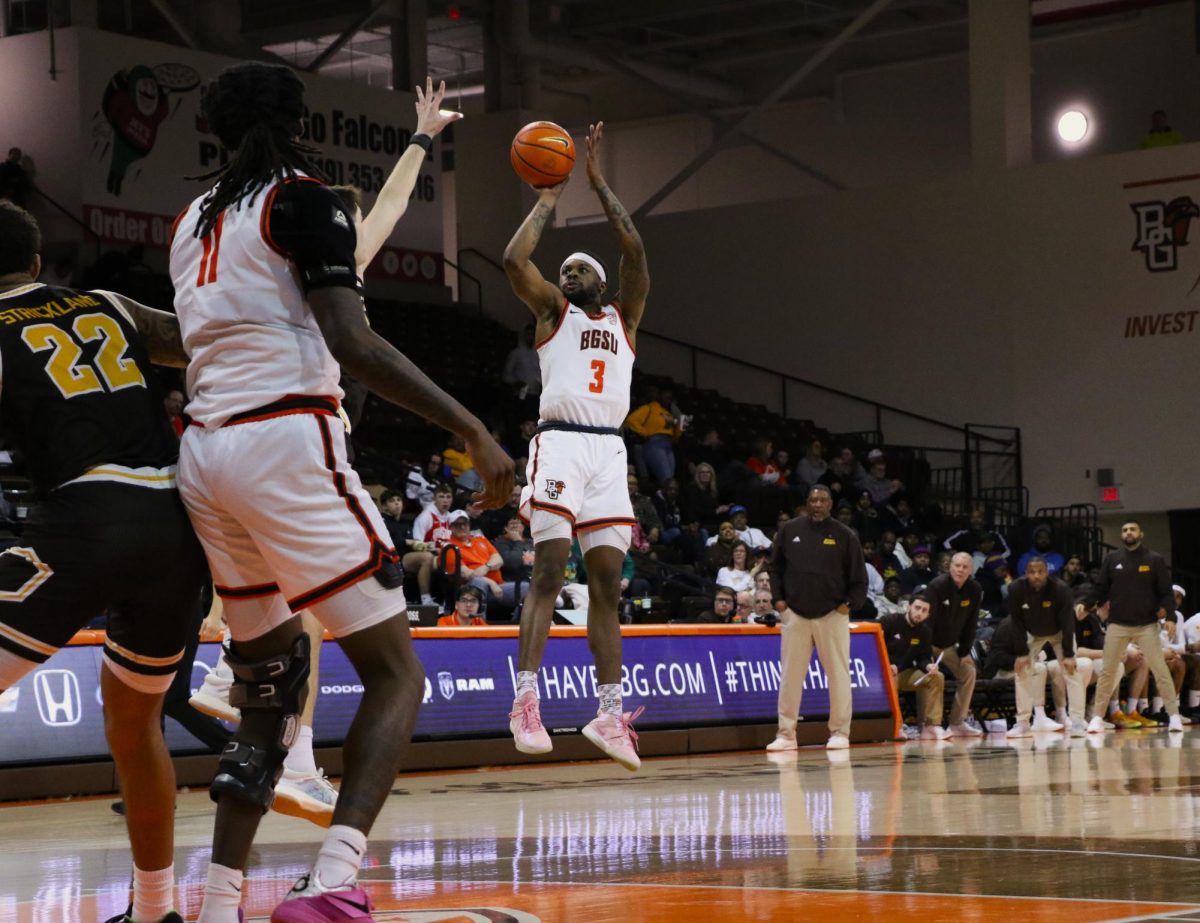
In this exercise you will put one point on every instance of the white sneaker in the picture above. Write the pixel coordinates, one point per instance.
(1077, 729)
(1175, 725)
(1096, 725)
(838, 742)
(1108, 725)
(1044, 723)
(212, 697)
(1020, 729)
(964, 730)
(311, 797)
(933, 732)
(782, 742)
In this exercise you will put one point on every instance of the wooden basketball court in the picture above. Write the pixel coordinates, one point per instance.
(1101, 829)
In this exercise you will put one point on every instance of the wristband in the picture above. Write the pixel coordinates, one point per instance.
(423, 141)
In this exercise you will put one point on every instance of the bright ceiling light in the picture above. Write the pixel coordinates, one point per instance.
(1072, 126)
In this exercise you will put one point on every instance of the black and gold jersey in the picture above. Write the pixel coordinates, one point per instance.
(76, 388)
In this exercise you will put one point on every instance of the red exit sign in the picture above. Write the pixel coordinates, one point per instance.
(1110, 494)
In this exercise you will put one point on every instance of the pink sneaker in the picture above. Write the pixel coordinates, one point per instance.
(526, 725)
(343, 905)
(616, 737)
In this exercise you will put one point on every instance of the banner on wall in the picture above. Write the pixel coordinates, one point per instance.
(1164, 211)
(143, 134)
(684, 680)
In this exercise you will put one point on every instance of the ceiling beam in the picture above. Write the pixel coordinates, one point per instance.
(785, 87)
(337, 44)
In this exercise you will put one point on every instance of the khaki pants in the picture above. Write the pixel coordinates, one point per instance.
(1030, 689)
(963, 669)
(831, 635)
(1075, 683)
(1119, 637)
(929, 694)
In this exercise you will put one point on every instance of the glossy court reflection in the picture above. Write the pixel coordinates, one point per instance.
(1031, 829)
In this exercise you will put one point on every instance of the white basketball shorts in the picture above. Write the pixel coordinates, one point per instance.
(285, 523)
(580, 477)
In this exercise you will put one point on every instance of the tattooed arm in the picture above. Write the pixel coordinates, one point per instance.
(545, 299)
(391, 375)
(634, 276)
(159, 330)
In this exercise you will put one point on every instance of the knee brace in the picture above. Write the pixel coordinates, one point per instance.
(253, 759)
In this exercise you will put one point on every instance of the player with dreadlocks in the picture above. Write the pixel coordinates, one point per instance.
(269, 305)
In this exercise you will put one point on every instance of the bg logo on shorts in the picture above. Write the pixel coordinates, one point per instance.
(554, 488)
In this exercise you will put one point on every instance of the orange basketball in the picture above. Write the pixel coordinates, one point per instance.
(543, 154)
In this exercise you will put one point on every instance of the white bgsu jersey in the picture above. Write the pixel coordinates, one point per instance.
(250, 336)
(587, 368)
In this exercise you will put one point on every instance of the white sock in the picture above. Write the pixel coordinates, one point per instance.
(300, 758)
(340, 856)
(1113, 707)
(222, 895)
(1143, 705)
(1194, 698)
(153, 894)
(610, 698)
(1157, 705)
(526, 682)
(1039, 711)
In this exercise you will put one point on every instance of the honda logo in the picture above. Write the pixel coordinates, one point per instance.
(57, 692)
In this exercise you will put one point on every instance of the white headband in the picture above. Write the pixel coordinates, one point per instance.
(585, 258)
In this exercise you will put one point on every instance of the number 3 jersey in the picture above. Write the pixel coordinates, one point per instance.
(240, 296)
(76, 390)
(587, 367)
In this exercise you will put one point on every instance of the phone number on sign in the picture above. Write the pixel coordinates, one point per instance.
(371, 178)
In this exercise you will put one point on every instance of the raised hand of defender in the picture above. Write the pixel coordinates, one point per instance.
(493, 466)
(595, 133)
(431, 118)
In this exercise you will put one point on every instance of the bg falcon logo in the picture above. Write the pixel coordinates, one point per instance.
(554, 489)
(1162, 228)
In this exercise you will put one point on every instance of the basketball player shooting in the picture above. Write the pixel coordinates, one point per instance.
(577, 461)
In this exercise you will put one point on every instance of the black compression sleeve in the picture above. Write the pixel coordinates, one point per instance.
(310, 226)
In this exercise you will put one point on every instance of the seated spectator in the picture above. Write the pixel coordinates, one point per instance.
(812, 467)
(709, 450)
(700, 502)
(898, 515)
(493, 523)
(867, 521)
(737, 574)
(994, 578)
(745, 608)
(1042, 542)
(1072, 573)
(522, 370)
(655, 431)
(719, 552)
(942, 564)
(762, 463)
(481, 562)
(910, 540)
(436, 470)
(968, 539)
(891, 599)
(1161, 134)
(456, 457)
(747, 533)
(845, 514)
(682, 534)
(466, 610)
(842, 477)
(173, 403)
(763, 608)
(762, 580)
(889, 564)
(432, 525)
(909, 640)
(516, 563)
(782, 459)
(990, 546)
(416, 486)
(724, 603)
(919, 574)
(877, 484)
(783, 518)
(415, 557)
(644, 512)
(1174, 645)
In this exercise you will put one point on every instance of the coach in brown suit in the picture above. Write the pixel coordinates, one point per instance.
(817, 578)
